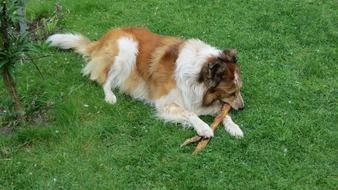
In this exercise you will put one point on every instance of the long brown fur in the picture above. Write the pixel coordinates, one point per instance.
(155, 61)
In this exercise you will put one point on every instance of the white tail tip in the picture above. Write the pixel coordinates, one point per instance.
(67, 41)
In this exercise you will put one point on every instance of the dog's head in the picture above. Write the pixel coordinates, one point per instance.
(221, 76)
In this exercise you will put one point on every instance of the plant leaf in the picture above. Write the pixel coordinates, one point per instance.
(36, 66)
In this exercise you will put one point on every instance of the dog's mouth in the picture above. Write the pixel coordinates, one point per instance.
(224, 102)
(236, 105)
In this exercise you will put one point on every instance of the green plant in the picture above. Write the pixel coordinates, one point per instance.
(43, 26)
(14, 48)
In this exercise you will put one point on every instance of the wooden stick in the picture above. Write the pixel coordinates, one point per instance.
(191, 140)
(204, 141)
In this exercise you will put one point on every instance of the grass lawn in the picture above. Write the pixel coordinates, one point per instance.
(289, 61)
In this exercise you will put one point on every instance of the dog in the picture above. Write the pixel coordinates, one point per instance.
(182, 79)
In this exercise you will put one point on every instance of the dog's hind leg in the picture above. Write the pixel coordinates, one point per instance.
(123, 65)
(174, 113)
(109, 96)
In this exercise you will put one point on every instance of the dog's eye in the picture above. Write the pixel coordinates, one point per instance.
(232, 94)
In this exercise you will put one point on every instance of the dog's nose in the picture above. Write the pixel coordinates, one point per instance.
(241, 108)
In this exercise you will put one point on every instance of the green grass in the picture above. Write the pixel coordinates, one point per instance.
(288, 56)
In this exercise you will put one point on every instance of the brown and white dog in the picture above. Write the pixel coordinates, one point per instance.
(181, 78)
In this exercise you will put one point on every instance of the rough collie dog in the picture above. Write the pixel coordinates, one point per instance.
(181, 78)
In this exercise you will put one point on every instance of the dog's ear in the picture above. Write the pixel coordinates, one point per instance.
(228, 56)
(216, 72)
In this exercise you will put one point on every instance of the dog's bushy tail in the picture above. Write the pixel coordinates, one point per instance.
(70, 41)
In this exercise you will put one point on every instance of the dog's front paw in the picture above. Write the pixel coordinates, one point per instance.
(234, 130)
(110, 98)
(205, 131)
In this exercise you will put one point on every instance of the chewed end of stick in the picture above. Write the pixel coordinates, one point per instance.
(191, 140)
